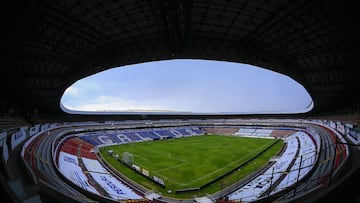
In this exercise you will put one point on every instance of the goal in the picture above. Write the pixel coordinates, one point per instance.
(127, 158)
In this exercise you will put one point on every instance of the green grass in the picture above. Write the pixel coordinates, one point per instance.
(193, 161)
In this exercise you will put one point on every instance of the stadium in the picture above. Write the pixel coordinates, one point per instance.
(48, 155)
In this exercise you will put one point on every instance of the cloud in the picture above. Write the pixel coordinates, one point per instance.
(111, 103)
(196, 88)
(72, 91)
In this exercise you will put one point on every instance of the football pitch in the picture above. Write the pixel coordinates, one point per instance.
(192, 162)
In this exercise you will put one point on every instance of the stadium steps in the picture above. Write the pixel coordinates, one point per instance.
(19, 184)
(281, 178)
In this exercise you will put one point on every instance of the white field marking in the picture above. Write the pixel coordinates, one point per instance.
(141, 163)
(165, 154)
(202, 177)
(145, 160)
(166, 178)
(157, 174)
(164, 169)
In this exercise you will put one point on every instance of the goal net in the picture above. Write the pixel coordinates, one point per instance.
(127, 158)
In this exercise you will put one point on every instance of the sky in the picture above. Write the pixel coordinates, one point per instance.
(187, 86)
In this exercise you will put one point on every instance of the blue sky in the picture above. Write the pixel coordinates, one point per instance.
(182, 85)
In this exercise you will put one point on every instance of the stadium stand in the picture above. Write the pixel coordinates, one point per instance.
(17, 138)
(281, 133)
(314, 155)
(36, 154)
(296, 168)
(78, 163)
(288, 163)
(254, 132)
(323, 171)
(220, 130)
(136, 135)
(305, 161)
(69, 167)
(48, 45)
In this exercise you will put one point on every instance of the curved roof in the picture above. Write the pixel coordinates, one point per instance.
(48, 45)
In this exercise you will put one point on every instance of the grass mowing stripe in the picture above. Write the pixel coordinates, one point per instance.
(171, 167)
(232, 164)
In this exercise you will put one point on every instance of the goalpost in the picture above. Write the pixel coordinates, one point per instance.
(127, 158)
